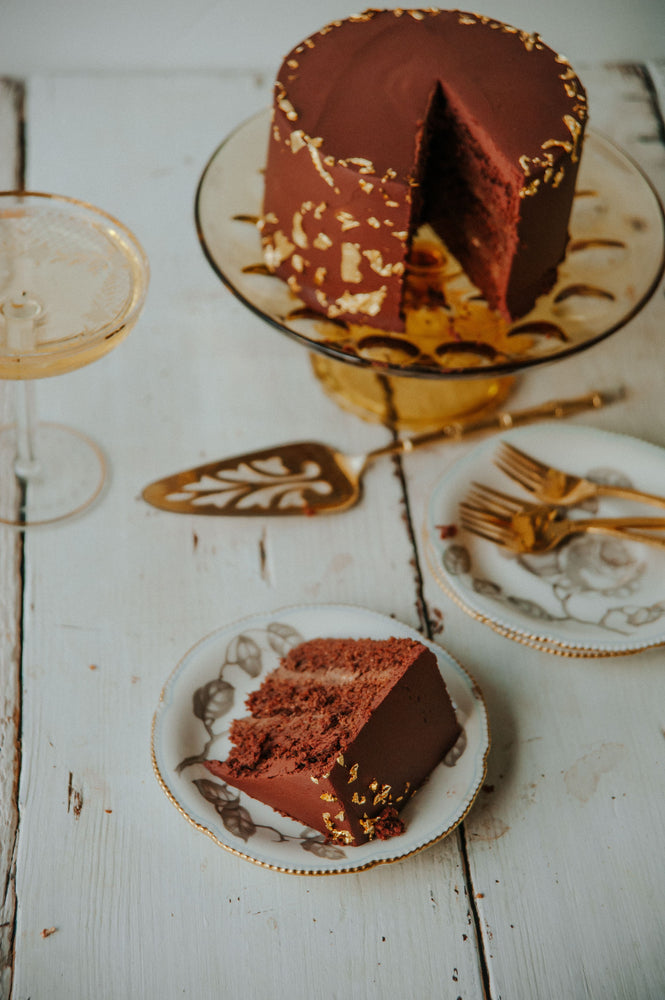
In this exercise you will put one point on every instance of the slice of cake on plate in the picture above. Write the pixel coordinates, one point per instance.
(342, 733)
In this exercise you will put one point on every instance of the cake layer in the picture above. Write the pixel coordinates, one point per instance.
(342, 734)
(395, 117)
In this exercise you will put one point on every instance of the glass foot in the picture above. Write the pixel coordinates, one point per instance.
(67, 474)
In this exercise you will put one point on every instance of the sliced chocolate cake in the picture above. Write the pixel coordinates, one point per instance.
(393, 118)
(342, 733)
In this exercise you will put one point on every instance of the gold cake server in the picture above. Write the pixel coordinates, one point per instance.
(307, 477)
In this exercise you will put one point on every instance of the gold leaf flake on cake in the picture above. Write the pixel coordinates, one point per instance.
(575, 129)
(368, 826)
(530, 42)
(358, 799)
(285, 106)
(365, 166)
(297, 140)
(346, 220)
(328, 797)
(353, 773)
(530, 189)
(345, 836)
(350, 266)
(375, 258)
(278, 251)
(322, 242)
(298, 234)
(368, 303)
(320, 275)
(383, 796)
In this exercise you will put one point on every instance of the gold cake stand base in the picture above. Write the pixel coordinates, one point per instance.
(408, 403)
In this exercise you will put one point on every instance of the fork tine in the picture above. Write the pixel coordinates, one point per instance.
(487, 497)
(518, 465)
(480, 523)
(528, 460)
(482, 530)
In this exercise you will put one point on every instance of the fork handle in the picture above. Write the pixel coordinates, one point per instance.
(585, 523)
(596, 528)
(628, 493)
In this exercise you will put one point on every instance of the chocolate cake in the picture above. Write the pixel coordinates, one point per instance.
(393, 118)
(342, 733)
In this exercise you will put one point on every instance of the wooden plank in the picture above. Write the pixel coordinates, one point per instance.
(142, 903)
(564, 845)
(10, 605)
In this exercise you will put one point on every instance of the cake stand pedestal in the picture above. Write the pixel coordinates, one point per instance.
(412, 404)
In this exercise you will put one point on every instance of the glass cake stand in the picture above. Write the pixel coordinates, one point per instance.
(454, 360)
(72, 284)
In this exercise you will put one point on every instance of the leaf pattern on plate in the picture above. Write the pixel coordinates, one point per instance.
(211, 702)
(592, 579)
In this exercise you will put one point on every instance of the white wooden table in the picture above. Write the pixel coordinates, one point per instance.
(554, 885)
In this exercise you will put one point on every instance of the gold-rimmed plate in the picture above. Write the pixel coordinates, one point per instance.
(208, 689)
(593, 596)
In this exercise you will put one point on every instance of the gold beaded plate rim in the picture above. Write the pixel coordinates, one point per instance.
(439, 807)
(493, 588)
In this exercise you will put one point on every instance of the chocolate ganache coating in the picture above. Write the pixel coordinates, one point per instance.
(342, 734)
(396, 117)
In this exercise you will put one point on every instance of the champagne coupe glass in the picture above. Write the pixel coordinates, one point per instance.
(73, 281)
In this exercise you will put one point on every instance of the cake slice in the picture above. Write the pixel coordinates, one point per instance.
(342, 733)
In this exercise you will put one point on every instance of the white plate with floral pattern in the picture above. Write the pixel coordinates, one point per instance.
(593, 596)
(208, 689)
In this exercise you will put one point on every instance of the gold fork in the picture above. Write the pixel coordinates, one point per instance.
(532, 528)
(551, 485)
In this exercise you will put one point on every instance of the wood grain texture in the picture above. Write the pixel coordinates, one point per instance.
(553, 887)
(564, 844)
(10, 604)
(143, 905)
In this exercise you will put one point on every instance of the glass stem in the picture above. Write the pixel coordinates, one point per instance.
(21, 315)
(26, 464)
